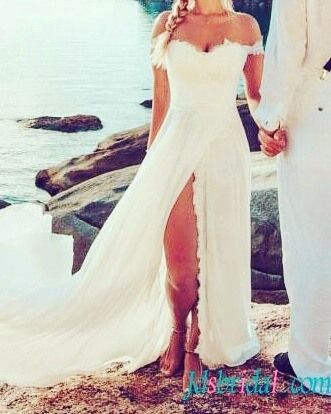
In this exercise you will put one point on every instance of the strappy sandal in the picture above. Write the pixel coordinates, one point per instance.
(198, 375)
(179, 365)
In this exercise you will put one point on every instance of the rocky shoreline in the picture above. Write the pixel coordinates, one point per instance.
(82, 210)
(86, 189)
(118, 151)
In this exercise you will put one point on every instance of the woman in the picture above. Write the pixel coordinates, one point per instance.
(204, 26)
(181, 231)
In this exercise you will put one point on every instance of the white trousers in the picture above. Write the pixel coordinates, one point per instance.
(305, 215)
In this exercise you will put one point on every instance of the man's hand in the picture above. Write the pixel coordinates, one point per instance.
(273, 143)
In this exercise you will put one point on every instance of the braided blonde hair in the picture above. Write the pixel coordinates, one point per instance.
(180, 10)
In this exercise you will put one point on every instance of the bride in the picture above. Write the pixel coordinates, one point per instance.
(169, 273)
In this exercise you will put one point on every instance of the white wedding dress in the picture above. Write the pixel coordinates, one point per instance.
(53, 325)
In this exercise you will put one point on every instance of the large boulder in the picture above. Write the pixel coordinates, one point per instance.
(87, 188)
(265, 281)
(82, 210)
(118, 151)
(266, 238)
(92, 201)
(75, 123)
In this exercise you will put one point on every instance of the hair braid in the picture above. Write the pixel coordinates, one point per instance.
(177, 15)
(179, 11)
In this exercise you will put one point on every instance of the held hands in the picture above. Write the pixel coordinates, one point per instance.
(273, 143)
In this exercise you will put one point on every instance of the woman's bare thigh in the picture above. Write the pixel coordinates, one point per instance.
(180, 239)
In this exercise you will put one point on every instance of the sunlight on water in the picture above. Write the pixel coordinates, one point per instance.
(64, 58)
(67, 57)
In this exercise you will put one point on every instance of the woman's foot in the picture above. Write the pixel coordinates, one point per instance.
(192, 362)
(173, 358)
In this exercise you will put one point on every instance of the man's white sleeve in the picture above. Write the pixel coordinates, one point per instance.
(284, 56)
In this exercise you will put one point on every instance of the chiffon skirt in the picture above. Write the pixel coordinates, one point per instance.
(54, 325)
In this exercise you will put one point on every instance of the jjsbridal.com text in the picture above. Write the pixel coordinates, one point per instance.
(254, 384)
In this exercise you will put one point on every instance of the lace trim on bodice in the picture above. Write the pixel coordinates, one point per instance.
(159, 48)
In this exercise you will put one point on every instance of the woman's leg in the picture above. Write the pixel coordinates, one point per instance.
(180, 243)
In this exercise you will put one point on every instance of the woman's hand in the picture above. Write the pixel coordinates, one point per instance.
(273, 143)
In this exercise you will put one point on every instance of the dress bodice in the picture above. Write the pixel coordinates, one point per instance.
(198, 78)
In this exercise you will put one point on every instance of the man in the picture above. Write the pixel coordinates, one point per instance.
(296, 97)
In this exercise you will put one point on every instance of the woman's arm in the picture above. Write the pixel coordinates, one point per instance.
(161, 93)
(254, 64)
(253, 71)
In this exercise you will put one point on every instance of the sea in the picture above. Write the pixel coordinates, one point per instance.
(67, 57)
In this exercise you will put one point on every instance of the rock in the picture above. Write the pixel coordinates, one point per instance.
(266, 239)
(69, 124)
(4, 204)
(265, 281)
(131, 141)
(266, 258)
(277, 297)
(92, 201)
(147, 103)
(82, 210)
(83, 234)
(88, 188)
(118, 151)
(115, 152)
(105, 190)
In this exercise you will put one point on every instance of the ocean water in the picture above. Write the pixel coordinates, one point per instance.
(68, 57)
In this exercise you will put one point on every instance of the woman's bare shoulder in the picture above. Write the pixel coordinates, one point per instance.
(249, 27)
(159, 23)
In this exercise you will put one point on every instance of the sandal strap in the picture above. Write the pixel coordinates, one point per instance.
(190, 351)
(178, 331)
